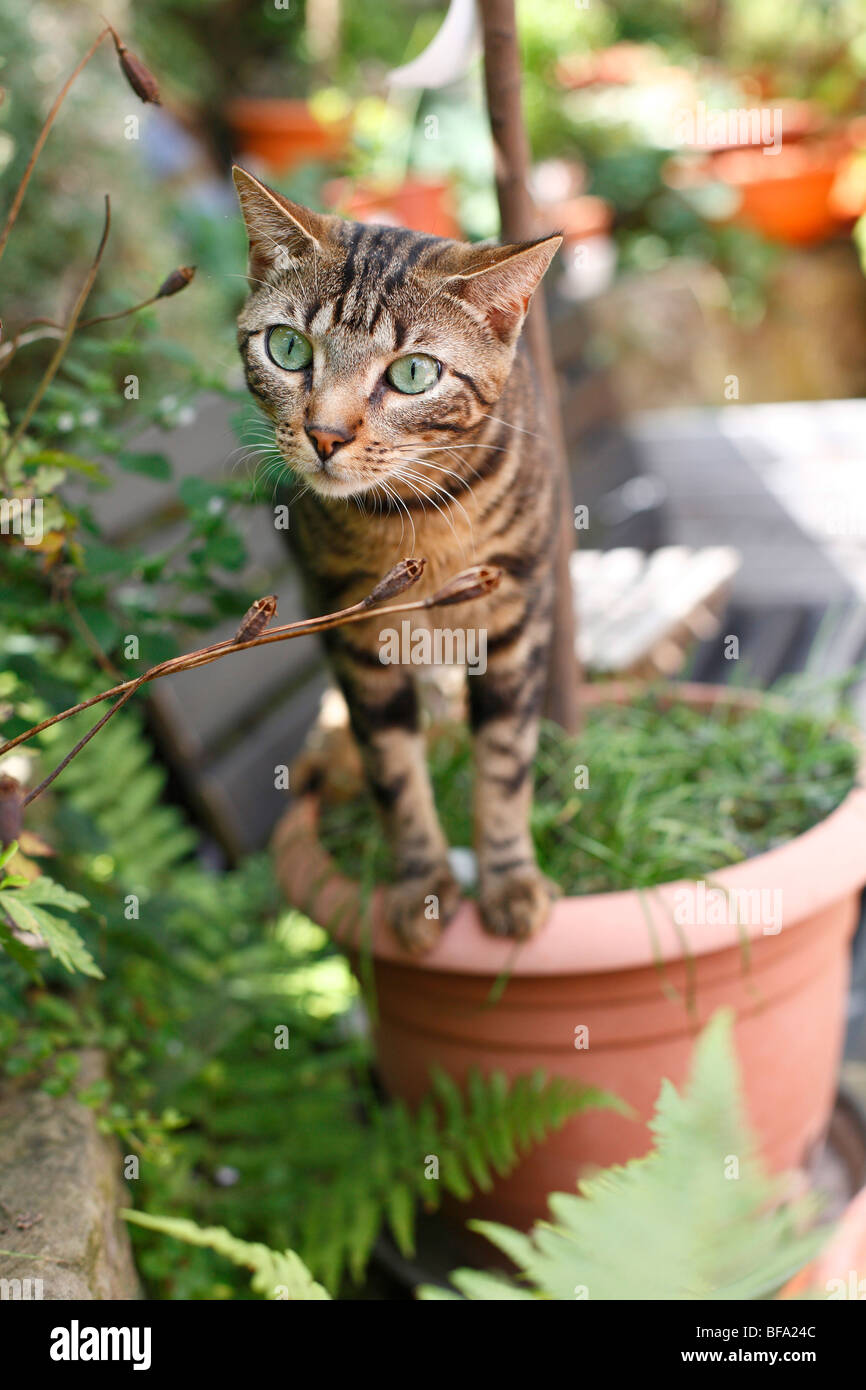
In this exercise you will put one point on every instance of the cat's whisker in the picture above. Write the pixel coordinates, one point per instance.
(409, 478)
(391, 492)
(518, 428)
(450, 498)
(236, 275)
(426, 463)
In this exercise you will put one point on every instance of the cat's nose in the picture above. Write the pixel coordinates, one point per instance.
(327, 439)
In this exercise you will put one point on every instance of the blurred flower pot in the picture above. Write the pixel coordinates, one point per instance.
(785, 196)
(620, 65)
(588, 249)
(421, 204)
(283, 133)
(839, 1272)
(612, 992)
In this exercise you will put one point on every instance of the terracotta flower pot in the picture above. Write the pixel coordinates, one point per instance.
(598, 966)
(839, 1272)
(284, 133)
(787, 196)
(421, 204)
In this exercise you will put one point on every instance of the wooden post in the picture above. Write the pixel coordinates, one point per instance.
(512, 164)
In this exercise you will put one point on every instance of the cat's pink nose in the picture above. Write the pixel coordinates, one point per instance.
(327, 439)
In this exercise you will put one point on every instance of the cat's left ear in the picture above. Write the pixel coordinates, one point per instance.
(279, 231)
(499, 281)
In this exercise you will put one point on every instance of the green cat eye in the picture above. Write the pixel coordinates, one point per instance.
(289, 348)
(413, 374)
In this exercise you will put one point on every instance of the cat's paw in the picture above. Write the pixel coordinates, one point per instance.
(517, 904)
(418, 909)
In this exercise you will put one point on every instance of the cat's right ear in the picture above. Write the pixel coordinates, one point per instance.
(279, 232)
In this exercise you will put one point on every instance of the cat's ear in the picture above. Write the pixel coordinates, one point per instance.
(499, 281)
(279, 232)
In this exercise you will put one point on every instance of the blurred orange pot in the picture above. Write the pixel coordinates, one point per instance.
(839, 1272)
(785, 196)
(283, 133)
(602, 997)
(423, 205)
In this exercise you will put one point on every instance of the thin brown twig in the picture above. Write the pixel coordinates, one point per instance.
(88, 638)
(48, 328)
(119, 313)
(467, 586)
(73, 752)
(60, 351)
(14, 210)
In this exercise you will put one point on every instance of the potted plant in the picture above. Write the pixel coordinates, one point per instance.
(614, 988)
(282, 133)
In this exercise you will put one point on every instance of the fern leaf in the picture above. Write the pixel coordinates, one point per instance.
(277, 1274)
(401, 1217)
(27, 909)
(695, 1219)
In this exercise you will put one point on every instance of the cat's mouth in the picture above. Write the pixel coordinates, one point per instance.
(329, 477)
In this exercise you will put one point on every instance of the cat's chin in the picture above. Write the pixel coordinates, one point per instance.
(329, 486)
(331, 483)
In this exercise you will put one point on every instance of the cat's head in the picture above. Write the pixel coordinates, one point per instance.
(367, 344)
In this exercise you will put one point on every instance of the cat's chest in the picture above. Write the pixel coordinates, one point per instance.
(362, 548)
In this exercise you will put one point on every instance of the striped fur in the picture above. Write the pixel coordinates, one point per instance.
(457, 474)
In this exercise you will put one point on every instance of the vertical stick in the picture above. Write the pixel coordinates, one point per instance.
(512, 162)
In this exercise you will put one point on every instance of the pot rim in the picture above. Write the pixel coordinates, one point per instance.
(598, 932)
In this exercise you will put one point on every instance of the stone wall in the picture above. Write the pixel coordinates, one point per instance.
(61, 1187)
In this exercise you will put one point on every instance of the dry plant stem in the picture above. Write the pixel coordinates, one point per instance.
(26, 335)
(54, 330)
(205, 655)
(60, 351)
(55, 772)
(89, 640)
(120, 313)
(12, 215)
(502, 77)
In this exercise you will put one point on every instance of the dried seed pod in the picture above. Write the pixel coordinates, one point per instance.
(176, 281)
(401, 577)
(256, 618)
(11, 802)
(139, 77)
(469, 584)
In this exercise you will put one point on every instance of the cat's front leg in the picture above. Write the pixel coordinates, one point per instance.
(514, 895)
(383, 710)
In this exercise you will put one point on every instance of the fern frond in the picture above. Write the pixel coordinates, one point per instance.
(277, 1274)
(695, 1219)
(457, 1141)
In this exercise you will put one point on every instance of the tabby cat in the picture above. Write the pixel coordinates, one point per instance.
(388, 363)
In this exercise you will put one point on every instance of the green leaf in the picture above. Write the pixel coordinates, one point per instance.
(7, 852)
(198, 492)
(70, 463)
(26, 908)
(695, 1219)
(17, 951)
(401, 1212)
(151, 465)
(280, 1275)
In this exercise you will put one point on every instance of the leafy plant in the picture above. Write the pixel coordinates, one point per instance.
(203, 972)
(26, 905)
(695, 1219)
(276, 1274)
